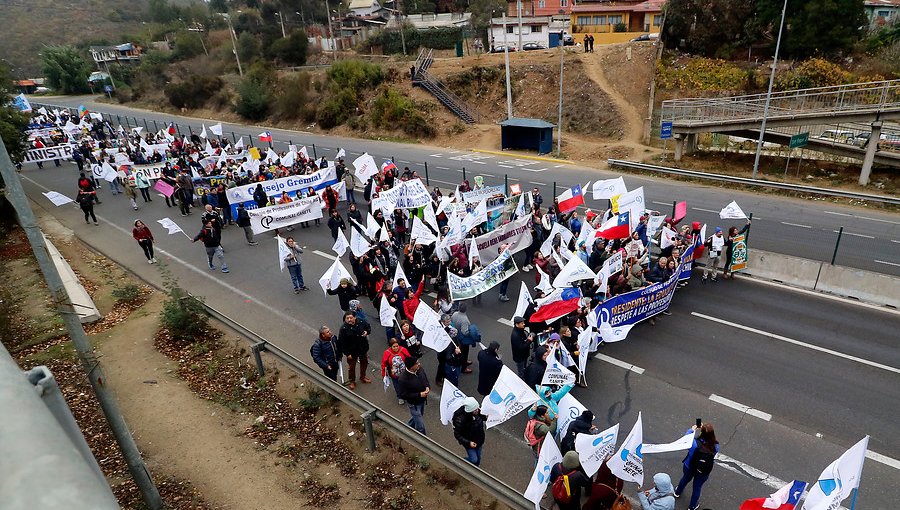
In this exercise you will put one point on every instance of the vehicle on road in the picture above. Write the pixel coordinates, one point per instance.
(568, 40)
(861, 139)
(500, 48)
(838, 136)
(533, 46)
(646, 37)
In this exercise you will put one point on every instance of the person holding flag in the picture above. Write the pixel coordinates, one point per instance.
(293, 262)
(699, 461)
(733, 232)
(393, 363)
(212, 240)
(468, 429)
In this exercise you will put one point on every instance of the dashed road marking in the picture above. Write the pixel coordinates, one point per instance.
(740, 407)
(619, 363)
(704, 210)
(795, 224)
(506, 322)
(855, 235)
(886, 262)
(326, 255)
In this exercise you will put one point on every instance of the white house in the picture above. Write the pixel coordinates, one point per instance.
(536, 29)
(364, 7)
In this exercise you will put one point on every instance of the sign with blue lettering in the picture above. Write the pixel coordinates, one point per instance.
(665, 131)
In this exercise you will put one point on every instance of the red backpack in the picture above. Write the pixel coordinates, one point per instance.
(561, 490)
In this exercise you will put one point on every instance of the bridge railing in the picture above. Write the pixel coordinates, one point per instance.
(857, 97)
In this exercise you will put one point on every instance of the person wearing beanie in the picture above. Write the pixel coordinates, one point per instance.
(345, 292)
(579, 483)
(468, 429)
(414, 389)
(489, 367)
(521, 341)
(535, 371)
(580, 425)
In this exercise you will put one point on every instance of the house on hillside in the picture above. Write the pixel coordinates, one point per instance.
(544, 30)
(431, 20)
(363, 8)
(123, 53)
(881, 12)
(540, 7)
(616, 21)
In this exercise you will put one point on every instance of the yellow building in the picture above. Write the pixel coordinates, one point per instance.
(601, 18)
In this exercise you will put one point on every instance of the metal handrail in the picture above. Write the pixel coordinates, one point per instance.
(486, 481)
(633, 165)
(453, 97)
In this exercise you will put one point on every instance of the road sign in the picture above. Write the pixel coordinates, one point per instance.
(107, 88)
(665, 131)
(799, 140)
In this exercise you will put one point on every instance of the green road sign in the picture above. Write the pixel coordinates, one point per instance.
(799, 140)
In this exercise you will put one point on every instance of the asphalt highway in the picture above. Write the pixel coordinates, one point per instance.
(803, 228)
(790, 380)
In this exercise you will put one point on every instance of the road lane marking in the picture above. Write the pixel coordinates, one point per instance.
(799, 343)
(886, 262)
(619, 363)
(884, 459)
(326, 255)
(741, 468)
(443, 167)
(506, 322)
(862, 217)
(795, 224)
(660, 203)
(727, 402)
(538, 183)
(504, 166)
(852, 234)
(704, 210)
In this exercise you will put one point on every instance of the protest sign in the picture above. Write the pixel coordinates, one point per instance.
(637, 305)
(740, 253)
(411, 194)
(517, 234)
(292, 184)
(477, 195)
(466, 288)
(48, 153)
(284, 215)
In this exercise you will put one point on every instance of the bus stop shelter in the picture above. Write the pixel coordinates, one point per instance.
(530, 134)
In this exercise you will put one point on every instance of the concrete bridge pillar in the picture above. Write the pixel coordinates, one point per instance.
(691, 143)
(679, 146)
(871, 147)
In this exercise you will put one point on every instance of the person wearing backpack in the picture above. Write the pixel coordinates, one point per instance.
(568, 482)
(660, 497)
(537, 428)
(699, 462)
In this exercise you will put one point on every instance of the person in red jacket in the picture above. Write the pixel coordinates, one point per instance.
(144, 237)
(412, 300)
(393, 362)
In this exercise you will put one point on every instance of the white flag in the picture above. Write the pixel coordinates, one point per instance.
(341, 244)
(398, 275)
(473, 253)
(556, 374)
(838, 480)
(682, 443)
(303, 152)
(667, 238)
(240, 143)
(208, 150)
(584, 348)
(628, 462)
(451, 400)
(289, 158)
(383, 235)
(654, 223)
(109, 173)
(386, 313)
(525, 299)
(429, 217)
(333, 276)
(475, 218)
(633, 202)
(216, 129)
(372, 226)
(57, 198)
(509, 396)
(544, 283)
(593, 449)
(271, 156)
(574, 270)
(358, 244)
(203, 132)
(283, 252)
(340, 154)
(420, 233)
(732, 211)
(611, 334)
(170, 225)
(365, 167)
(604, 190)
(540, 479)
(565, 358)
(569, 409)
(137, 130)
(434, 335)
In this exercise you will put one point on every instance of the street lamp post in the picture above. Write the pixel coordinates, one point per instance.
(331, 30)
(762, 127)
(281, 18)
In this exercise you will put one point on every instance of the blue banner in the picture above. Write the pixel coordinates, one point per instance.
(687, 266)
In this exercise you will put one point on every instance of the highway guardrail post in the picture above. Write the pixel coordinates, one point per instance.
(506, 184)
(747, 235)
(427, 181)
(367, 418)
(464, 173)
(554, 189)
(315, 156)
(145, 125)
(256, 349)
(837, 244)
(155, 127)
(119, 120)
(233, 138)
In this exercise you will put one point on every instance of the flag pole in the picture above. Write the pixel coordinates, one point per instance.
(853, 501)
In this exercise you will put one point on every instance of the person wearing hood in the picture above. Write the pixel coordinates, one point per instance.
(549, 398)
(468, 429)
(580, 425)
(489, 367)
(661, 496)
(579, 483)
(535, 371)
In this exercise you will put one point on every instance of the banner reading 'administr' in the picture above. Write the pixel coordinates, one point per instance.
(284, 215)
(466, 288)
(48, 153)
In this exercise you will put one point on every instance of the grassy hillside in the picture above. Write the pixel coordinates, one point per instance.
(31, 24)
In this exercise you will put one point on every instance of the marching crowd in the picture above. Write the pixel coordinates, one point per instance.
(400, 270)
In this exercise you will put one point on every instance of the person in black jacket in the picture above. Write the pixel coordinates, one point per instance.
(489, 366)
(521, 341)
(260, 197)
(468, 429)
(212, 241)
(581, 425)
(578, 480)
(325, 353)
(534, 374)
(354, 341)
(243, 221)
(414, 389)
(345, 292)
(335, 222)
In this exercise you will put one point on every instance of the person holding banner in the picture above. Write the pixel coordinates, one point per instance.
(468, 429)
(243, 221)
(733, 232)
(142, 183)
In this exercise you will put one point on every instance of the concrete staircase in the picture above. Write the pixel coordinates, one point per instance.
(421, 78)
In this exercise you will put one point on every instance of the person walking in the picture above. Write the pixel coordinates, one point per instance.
(85, 200)
(699, 462)
(326, 353)
(489, 367)
(345, 292)
(212, 240)
(714, 246)
(142, 183)
(414, 389)
(660, 497)
(131, 193)
(468, 429)
(467, 335)
(243, 221)
(335, 223)
(733, 232)
(393, 363)
(184, 192)
(144, 238)
(350, 185)
(353, 338)
(578, 482)
(293, 261)
(521, 341)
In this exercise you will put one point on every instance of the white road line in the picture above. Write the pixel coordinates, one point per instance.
(538, 183)
(740, 407)
(884, 459)
(443, 167)
(660, 203)
(704, 210)
(504, 166)
(795, 224)
(436, 155)
(862, 217)
(557, 166)
(886, 262)
(895, 241)
(486, 174)
(326, 255)
(619, 363)
(799, 343)
(535, 170)
(856, 235)
(506, 322)
(445, 182)
(741, 468)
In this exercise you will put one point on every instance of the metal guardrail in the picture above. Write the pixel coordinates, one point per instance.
(753, 182)
(486, 481)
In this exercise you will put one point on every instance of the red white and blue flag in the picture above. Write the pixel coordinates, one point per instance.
(570, 199)
(786, 498)
(172, 129)
(560, 302)
(388, 165)
(265, 137)
(616, 227)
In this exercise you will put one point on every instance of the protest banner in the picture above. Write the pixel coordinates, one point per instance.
(641, 304)
(466, 288)
(517, 234)
(150, 171)
(593, 449)
(206, 185)
(682, 443)
(284, 215)
(556, 374)
(740, 253)
(291, 184)
(411, 194)
(164, 188)
(477, 195)
(48, 153)
(687, 265)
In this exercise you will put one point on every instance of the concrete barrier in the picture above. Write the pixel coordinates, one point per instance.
(84, 305)
(867, 286)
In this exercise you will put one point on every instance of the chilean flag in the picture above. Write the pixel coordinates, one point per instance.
(265, 137)
(560, 302)
(570, 199)
(786, 498)
(616, 227)
(388, 165)
(172, 130)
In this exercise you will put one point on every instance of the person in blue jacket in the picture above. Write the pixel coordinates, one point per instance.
(699, 462)
(548, 397)
(660, 497)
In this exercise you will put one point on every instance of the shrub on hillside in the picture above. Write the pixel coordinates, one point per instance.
(337, 109)
(815, 72)
(187, 45)
(291, 99)
(355, 75)
(699, 74)
(253, 101)
(393, 110)
(193, 92)
(291, 50)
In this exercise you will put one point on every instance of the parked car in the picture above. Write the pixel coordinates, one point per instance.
(838, 136)
(646, 37)
(861, 139)
(533, 46)
(500, 48)
(568, 40)
(889, 141)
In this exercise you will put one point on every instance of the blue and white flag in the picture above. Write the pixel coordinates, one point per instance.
(838, 480)
(509, 396)
(628, 462)
(451, 399)
(549, 457)
(593, 449)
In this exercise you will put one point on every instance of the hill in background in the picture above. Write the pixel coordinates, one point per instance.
(29, 25)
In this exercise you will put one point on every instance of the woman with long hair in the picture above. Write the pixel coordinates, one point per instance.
(699, 462)
(144, 238)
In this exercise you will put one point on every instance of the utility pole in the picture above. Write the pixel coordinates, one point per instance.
(400, 23)
(506, 55)
(281, 17)
(559, 123)
(234, 44)
(519, 13)
(16, 196)
(331, 30)
(762, 127)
